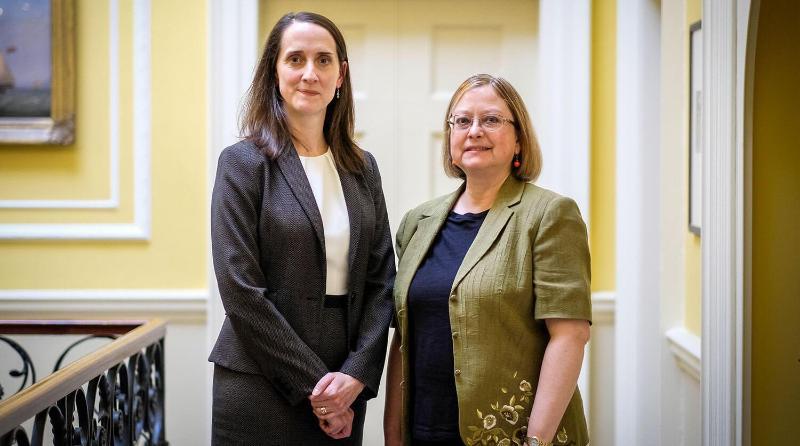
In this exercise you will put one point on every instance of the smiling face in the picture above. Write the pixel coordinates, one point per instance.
(308, 69)
(475, 150)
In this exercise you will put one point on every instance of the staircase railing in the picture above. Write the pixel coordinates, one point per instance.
(114, 395)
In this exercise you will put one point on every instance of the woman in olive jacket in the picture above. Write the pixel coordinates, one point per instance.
(492, 294)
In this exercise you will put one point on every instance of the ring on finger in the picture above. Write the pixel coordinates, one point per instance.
(323, 410)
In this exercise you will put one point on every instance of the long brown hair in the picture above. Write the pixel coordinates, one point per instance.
(263, 118)
(530, 154)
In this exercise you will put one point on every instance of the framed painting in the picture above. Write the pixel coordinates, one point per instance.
(37, 72)
(695, 127)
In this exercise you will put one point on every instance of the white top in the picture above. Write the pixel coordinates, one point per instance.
(324, 180)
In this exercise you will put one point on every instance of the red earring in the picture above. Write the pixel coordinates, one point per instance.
(516, 162)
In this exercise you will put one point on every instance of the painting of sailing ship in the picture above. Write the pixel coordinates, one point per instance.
(25, 58)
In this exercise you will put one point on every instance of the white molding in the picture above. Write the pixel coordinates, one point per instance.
(603, 306)
(113, 81)
(685, 346)
(724, 41)
(108, 203)
(139, 229)
(638, 333)
(565, 63)
(142, 138)
(175, 304)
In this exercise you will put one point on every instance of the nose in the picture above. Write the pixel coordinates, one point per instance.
(310, 73)
(475, 129)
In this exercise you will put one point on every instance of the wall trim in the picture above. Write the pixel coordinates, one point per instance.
(639, 336)
(685, 346)
(140, 228)
(565, 30)
(604, 305)
(173, 304)
(723, 387)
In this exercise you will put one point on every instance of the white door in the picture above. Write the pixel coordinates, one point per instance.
(406, 59)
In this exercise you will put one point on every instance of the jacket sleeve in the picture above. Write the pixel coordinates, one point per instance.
(561, 271)
(366, 360)
(270, 341)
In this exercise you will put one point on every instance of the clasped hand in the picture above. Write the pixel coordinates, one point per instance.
(331, 400)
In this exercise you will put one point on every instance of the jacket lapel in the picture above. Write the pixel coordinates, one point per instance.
(295, 176)
(510, 194)
(352, 198)
(427, 229)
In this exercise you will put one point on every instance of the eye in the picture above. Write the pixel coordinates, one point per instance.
(325, 60)
(294, 59)
(462, 121)
(492, 120)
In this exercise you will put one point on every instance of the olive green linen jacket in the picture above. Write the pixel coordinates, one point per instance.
(529, 262)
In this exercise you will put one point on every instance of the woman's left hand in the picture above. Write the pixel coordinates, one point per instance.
(335, 392)
(339, 426)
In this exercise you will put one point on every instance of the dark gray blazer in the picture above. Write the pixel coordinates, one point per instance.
(269, 259)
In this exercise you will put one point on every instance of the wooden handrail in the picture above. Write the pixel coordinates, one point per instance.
(27, 403)
(62, 327)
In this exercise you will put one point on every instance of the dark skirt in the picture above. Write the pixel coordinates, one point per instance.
(247, 410)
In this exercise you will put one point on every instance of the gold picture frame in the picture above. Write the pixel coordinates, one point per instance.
(59, 127)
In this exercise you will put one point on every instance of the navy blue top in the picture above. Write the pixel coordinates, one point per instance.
(435, 405)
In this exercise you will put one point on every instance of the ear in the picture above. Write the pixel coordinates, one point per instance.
(342, 72)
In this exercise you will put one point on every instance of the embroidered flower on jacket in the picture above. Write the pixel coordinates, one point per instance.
(489, 421)
(510, 414)
(491, 433)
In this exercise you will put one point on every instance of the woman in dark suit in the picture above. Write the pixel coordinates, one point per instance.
(492, 292)
(302, 252)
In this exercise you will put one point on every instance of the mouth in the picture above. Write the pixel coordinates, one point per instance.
(309, 92)
(476, 149)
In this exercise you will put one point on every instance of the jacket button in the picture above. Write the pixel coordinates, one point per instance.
(455, 334)
(457, 372)
(453, 298)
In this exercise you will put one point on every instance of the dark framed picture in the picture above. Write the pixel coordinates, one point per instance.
(695, 127)
(37, 72)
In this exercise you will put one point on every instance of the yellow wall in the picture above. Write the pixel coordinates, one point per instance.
(775, 237)
(694, 11)
(603, 140)
(175, 255)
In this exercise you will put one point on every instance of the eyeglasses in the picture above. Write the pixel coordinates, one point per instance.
(490, 123)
